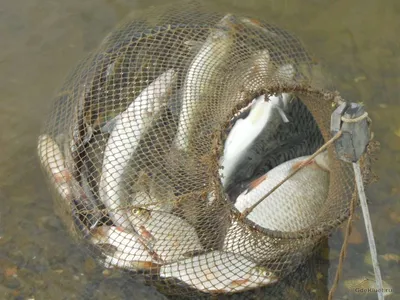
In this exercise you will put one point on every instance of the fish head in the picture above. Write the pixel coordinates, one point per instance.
(138, 215)
(225, 28)
(264, 272)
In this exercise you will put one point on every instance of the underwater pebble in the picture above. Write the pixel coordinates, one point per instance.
(12, 283)
(10, 272)
(89, 265)
(395, 217)
(391, 257)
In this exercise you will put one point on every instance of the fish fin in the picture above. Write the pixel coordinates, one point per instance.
(239, 282)
(283, 115)
(298, 164)
(94, 225)
(63, 176)
(256, 182)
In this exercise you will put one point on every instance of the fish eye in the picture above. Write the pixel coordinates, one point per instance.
(136, 211)
(267, 273)
(263, 271)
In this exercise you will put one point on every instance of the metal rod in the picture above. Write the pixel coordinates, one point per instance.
(368, 227)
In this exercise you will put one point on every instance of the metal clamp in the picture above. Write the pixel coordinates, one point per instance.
(353, 121)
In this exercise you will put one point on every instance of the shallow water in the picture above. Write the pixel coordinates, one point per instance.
(42, 40)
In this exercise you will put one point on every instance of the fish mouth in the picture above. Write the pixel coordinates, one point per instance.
(273, 278)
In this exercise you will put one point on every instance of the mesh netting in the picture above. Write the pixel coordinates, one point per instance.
(180, 121)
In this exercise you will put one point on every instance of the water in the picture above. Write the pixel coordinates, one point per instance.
(41, 42)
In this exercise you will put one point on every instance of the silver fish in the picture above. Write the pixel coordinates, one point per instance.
(245, 131)
(130, 252)
(66, 185)
(294, 205)
(125, 138)
(53, 162)
(299, 137)
(219, 272)
(200, 75)
(169, 236)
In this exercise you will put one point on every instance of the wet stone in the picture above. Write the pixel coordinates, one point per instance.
(90, 265)
(12, 283)
(50, 223)
(393, 241)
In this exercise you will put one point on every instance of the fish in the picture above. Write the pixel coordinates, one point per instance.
(53, 162)
(87, 204)
(299, 137)
(76, 197)
(219, 272)
(94, 214)
(295, 205)
(245, 131)
(124, 139)
(169, 236)
(86, 200)
(250, 75)
(201, 75)
(240, 240)
(130, 253)
(278, 142)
